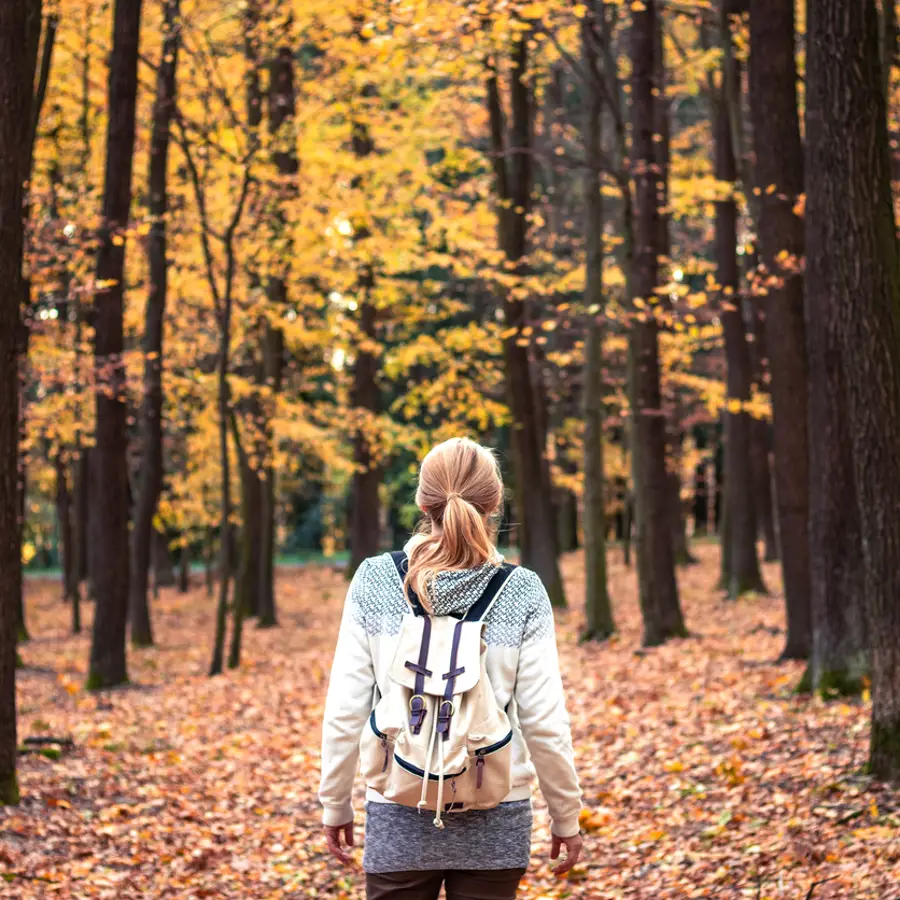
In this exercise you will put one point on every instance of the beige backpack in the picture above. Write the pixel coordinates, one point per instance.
(437, 739)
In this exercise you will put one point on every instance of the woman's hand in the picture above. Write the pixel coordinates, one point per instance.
(573, 847)
(333, 834)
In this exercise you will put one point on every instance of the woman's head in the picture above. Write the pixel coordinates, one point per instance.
(460, 488)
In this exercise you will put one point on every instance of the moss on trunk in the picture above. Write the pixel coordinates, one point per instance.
(9, 789)
(884, 750)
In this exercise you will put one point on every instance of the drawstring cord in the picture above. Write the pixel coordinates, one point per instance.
(426, 776)
(423, 802)
(440, 794)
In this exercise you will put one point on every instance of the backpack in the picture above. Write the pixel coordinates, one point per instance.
(437, 738)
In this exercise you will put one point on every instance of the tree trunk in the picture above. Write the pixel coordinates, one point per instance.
(151, 471)
(68, 543)
(239, 606)
(248, 579)
(215, 667)
(761, 438)
(742, 573)
(110, 481)
(779, 162)
(762, 488)
(23, 335)
(599, 622)
(163, 570)
(281, 124)
(365, 511)
(80, 528)
(513, 185)
(184, 570)
(855, 268)
(566, 507)
(64, 524)
(662, 145)
(658, 591)
(15, 95)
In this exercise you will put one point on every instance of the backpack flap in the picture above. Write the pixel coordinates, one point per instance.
(428, 672)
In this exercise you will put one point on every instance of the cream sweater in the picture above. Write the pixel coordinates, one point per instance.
(522, 663)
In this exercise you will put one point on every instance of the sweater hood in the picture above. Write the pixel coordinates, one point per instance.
(455, 591)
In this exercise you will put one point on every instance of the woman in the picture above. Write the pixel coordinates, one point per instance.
(479, 854)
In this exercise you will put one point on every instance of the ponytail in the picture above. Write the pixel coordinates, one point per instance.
(459, 489)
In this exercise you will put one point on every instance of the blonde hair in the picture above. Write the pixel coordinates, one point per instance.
(460, 487)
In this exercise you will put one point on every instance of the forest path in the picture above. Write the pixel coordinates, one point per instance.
(704, 775)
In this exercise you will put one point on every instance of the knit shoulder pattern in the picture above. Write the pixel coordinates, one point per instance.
(521, 613)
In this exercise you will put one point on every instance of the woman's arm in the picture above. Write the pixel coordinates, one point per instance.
(349, 702)
(541, 708)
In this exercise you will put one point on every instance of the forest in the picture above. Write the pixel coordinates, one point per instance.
(257, 258)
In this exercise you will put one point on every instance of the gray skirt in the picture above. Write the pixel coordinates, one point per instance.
(401, 839)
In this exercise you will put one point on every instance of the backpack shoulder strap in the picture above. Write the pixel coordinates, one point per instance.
(401, 561)
(480, 608)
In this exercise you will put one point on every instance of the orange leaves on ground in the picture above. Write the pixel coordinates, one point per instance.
(704, 774)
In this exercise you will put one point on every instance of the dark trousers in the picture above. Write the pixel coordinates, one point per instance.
(461, 885)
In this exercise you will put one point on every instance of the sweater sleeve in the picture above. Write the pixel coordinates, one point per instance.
(543, 717)
(347, 706)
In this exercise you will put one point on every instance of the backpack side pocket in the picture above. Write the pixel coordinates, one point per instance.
(376, 754)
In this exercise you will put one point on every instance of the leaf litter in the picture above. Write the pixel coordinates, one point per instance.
(705, 775)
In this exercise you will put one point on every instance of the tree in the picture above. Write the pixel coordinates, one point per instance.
(151, 473)
(281, 120)
(657, 587)
(740, 571)
(513, 183)
(778, 169)
(15, 101)
(109, 480)
(598, 610)
(855, 269)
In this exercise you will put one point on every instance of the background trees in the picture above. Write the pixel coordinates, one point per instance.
(575, 231)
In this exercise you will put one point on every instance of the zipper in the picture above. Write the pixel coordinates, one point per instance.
(415, 770)
(384, 741)
(486, 751)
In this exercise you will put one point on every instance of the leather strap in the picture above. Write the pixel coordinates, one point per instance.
(479, 609)
(401, 561)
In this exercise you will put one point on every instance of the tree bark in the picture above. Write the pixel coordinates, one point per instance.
(854, 265)
(658, 591)
(599, 623)
(64, 524)
(779, 162)
(80, 526)
(248, 579)
(15, 96)
(365, 504)
(281, 119)
(741, 574)
(761, 436)
(110, 481)
(513, 184)
(151, 472)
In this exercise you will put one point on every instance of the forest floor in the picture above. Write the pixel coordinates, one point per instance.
(704, 775)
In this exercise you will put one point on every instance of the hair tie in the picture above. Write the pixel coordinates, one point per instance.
(451, 495)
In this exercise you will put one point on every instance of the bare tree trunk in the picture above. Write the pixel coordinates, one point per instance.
(513, 185)
(598, 610)
(110, 481)
(281, 124)
(15, 96)
(855, 269)
(151, 472)
(64, 522)
(215, 667)
(184, 570)
(741, 575)
(779, 161)
(657, 587)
